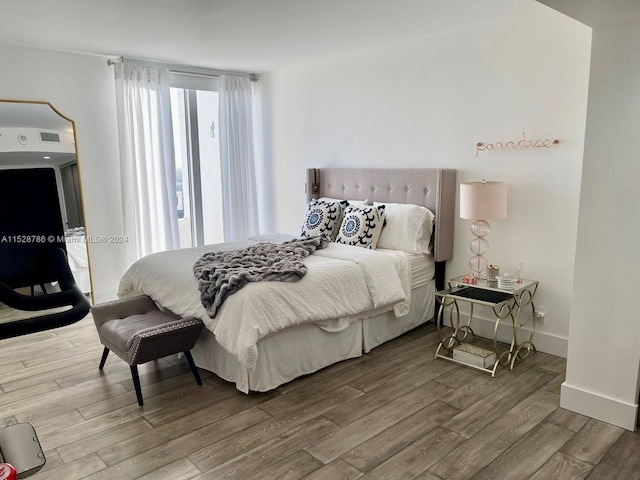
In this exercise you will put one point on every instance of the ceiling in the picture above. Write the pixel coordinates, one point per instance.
(598, 13)
(32, 115)
(244, 35)
(258, 35)
(35, 158)
(38, 116)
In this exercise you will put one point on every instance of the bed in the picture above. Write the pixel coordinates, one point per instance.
(279, 349)
(78, 257)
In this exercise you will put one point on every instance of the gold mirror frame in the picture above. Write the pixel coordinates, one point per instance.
(82, 212)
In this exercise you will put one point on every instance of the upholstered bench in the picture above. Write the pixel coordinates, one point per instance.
(137, 331)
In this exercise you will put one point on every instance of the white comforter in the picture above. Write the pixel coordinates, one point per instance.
(343, 282)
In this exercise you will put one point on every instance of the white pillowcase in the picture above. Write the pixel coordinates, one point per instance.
(357, 203)
(408, 228)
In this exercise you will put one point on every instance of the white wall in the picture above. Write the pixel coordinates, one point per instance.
(82, 88)
(426, 104)
(604, 338)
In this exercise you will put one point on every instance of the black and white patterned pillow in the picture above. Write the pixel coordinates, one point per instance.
(323, 218)
(361, 226)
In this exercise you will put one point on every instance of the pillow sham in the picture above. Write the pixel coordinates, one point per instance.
(361, 226)
(408, 228)
(322, 218)
(357, 203)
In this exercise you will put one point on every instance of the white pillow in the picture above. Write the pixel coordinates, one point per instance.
(357, 203)
(408, 228)
(361, 226)
(323, 218)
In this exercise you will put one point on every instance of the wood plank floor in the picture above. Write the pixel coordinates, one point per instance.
(394, 413)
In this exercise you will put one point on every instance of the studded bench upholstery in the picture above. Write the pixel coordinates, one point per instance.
(137, 331)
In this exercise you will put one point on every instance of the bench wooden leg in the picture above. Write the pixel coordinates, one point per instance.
(193, 367)
(105, 352)
(136, 383)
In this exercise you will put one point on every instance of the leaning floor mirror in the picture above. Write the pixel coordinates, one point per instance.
(42, 212)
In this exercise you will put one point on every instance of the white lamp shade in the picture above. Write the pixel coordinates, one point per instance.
(483, 200)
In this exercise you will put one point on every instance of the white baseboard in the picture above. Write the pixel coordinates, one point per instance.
(544, 342)
(600, 407)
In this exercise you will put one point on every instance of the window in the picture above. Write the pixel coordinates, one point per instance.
(194, 111)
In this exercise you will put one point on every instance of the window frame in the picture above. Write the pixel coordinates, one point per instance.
(190, 83)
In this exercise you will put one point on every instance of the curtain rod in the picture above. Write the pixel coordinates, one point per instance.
(205, 72)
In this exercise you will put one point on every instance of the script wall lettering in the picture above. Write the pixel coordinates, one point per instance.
(523, 143)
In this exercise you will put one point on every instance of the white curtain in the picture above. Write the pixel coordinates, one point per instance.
(146, 159)
(239, 197)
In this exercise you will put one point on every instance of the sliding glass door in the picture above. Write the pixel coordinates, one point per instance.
(194, 109)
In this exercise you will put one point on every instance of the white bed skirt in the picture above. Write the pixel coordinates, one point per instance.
(381, 329)
(283, 356)
(304, 349)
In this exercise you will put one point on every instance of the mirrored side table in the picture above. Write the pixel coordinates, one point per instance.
(507, 306)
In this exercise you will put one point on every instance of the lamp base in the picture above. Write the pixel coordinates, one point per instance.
(480, 228)
(479, 246)
(478, 265)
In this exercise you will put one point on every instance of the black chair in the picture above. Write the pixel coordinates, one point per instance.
(33, 252)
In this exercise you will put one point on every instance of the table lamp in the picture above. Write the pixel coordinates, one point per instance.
(482, 201)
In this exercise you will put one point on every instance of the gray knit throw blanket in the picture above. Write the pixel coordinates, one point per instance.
(221, 274)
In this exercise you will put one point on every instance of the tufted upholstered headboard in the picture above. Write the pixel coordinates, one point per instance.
(434, 188)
